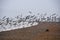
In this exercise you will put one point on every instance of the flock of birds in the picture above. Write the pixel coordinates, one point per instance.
(7, 23)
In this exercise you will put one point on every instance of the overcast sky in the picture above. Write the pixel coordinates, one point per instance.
(12, 8)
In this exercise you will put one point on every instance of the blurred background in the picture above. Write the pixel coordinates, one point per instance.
(12, 8)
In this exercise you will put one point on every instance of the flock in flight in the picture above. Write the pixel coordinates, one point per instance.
(29, 19)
